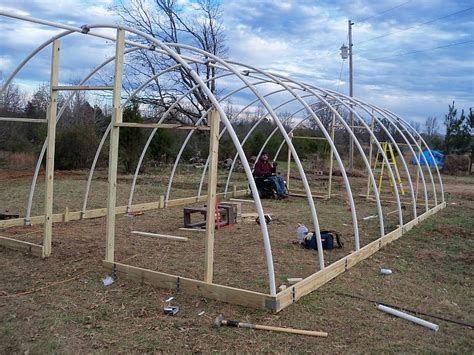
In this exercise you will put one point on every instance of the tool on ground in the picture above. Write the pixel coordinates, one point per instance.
(169, 309)
(219, 321)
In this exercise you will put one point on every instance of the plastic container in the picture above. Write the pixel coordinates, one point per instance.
(386, 271)
(301, 231)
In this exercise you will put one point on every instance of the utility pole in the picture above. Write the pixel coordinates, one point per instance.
(351, 94)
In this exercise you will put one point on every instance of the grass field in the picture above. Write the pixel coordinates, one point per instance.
(60, 305)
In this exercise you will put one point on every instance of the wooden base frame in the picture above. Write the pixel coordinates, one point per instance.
(260, 300)
(67, 216)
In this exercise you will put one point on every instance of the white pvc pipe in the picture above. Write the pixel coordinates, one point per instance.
(409, 317)
(165, 236)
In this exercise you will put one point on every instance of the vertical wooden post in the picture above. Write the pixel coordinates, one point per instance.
(51, 141)
(66, 214)
(372, 123)
(211, 196)
(418, 172)
(331, 155)
(114, 144)
(234, 192)
(288, 171)
(162, 202)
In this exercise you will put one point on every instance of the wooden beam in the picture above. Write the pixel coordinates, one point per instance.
(288, 169)
(35, 249)
(81, 87)
(51, 142)
(331, 155)
(194, 287)
(114, 146)
(311, 138)
(214, 120)
(161, 125)
(22, 119)
(316, 280)
(101, 212)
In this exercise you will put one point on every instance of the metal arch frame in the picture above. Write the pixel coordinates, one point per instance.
(225, 120)
(407, 126)
(152, 134)
(391, 120)
(300, 166)
(377, 142)
(363, 106)
(272, 301)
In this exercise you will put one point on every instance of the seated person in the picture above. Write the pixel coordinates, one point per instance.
(263, 168)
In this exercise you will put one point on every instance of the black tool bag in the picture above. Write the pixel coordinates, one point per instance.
(327, 240)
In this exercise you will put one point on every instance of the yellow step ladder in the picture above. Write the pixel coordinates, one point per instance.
(387, 149)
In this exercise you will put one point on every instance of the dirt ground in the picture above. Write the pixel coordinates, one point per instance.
(60, 304)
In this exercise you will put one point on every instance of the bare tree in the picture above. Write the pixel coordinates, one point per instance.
(431, 127)
(198, 24)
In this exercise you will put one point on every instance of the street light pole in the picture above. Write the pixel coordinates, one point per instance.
(351, 93)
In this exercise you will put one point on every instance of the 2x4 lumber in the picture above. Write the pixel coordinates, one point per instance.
(288, 168)
(331, 156)
(161, 125)
(157, 235)
(22, 119)
(211, 196)
(51, 142)
(193, 229)
(114, 145)
(101, 212)
(316, 280)
(194, 287)
(81, 87)
(34, 249)
(311, 138)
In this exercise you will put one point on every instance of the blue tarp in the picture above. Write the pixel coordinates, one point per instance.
(426, 158)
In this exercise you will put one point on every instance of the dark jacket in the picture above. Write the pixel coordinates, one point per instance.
(263, 168)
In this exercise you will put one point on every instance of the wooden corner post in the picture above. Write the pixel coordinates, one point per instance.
(114, 145)
(288, 170)
(331, 155)
(371, 150)
(211, 196)
(51, 142)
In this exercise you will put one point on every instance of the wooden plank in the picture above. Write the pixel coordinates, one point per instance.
(194, 287)
(101, 212)
(193, 229)
(35, 249)
(331, 156)
(214, 121)
(311, 138)
(161, 125)
(81, 87)
(23, 119)
(114, 146)
(51, 143)
(316, 280)
(288, 170)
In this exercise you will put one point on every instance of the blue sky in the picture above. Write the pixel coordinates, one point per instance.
(299, 38)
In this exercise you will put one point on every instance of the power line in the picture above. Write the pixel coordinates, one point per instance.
(417, 25)
(383, 12)
(422, 50)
